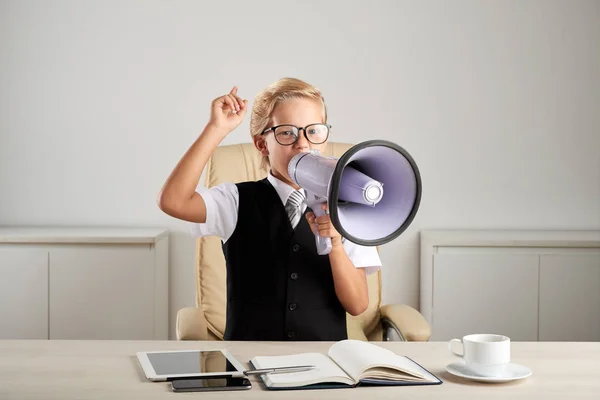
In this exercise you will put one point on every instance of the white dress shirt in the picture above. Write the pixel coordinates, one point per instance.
(222, 213)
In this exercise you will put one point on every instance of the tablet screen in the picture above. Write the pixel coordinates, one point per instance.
(190, 362)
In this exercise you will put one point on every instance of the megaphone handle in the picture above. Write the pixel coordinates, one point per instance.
(323, 243)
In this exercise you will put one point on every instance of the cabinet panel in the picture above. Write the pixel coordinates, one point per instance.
(491, 292)
(102, 292)
(570, 297)
(23, 294)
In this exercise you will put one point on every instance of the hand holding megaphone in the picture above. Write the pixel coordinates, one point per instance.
(321, 228)
(314, 171)
(353, 188)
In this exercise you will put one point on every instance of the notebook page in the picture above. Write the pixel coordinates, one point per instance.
(356, 356)
(326, 371)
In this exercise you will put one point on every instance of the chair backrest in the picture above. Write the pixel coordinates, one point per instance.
(239, 163)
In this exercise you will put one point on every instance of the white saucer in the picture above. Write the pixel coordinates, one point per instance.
(512, 372)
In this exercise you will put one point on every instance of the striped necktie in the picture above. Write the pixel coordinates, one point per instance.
(293, 207)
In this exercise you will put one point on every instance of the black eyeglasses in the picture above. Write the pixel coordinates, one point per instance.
(287, 135)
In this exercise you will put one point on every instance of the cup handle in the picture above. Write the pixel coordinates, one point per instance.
(461, 355)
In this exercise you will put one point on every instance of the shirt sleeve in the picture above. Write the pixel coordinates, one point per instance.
(222, 203)
(363, 256)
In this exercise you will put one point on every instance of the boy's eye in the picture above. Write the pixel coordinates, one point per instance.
(287, 133)
(312, 131)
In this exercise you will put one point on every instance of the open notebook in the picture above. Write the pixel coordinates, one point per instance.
(349, 363)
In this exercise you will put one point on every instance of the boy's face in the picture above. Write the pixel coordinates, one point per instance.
(298, 112)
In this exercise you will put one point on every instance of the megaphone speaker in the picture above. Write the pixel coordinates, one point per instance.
(373, 191)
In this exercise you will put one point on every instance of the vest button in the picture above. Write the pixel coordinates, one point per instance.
(293, 306)
(291, 334)
(294, 276)
(295, 247)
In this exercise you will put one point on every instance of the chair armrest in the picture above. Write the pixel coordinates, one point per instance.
(191, 324)
(408, 322)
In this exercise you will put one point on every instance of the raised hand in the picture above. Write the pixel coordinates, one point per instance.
(227, 111)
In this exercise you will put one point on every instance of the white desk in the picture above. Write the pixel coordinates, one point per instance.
(110, 370)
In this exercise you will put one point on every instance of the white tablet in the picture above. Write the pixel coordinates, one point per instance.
(172, 364)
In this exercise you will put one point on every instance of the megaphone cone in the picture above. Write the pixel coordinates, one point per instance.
(373, 191)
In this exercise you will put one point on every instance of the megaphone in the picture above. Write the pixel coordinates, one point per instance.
(373, 191)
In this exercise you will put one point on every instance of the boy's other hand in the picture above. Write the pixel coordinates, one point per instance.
(227, 111)
(324, 226)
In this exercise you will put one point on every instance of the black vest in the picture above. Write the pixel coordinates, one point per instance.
(278, 287)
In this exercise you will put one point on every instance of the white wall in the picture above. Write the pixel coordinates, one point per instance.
(498, 102)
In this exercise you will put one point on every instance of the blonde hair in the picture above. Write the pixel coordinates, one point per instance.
(266, 101)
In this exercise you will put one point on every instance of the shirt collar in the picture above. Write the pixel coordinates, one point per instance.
(283, 189)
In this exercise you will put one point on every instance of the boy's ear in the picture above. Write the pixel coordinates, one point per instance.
(261, 144)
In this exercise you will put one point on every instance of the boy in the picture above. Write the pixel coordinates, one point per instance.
(278, 287)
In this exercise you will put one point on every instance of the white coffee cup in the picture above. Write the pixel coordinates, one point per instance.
(484, 354)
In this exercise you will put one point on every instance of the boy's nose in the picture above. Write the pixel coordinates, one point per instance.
(302, 141)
